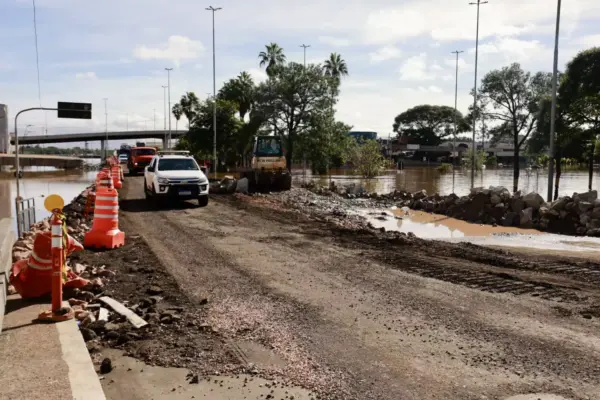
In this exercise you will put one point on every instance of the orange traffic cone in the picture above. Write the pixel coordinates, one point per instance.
(116, 176)
(33, 277)
(105, 231)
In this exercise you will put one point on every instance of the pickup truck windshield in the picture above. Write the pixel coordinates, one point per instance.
(177, 164)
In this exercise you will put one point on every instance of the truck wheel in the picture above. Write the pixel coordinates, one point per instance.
(203, 201)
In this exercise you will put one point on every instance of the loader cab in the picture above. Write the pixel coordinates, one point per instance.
(268, 146)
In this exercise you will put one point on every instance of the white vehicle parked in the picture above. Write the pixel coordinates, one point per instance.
(175, 175)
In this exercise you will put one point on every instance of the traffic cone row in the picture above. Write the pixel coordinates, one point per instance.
(105, 231)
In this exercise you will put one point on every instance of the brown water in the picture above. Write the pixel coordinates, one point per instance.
(440, 227)
(38, 183)
(428, 178)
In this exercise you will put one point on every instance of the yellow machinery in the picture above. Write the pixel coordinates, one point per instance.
(268, 170)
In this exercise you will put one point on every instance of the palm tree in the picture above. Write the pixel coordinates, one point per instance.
(335, 68)
(273, 58)
(189, 105)
(240, 90)
(177, 113)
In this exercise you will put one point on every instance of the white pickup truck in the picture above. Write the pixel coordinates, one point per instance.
(175, 176)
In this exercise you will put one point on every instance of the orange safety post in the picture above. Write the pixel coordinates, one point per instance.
(116, 177)
(58, 312)
(105, 231)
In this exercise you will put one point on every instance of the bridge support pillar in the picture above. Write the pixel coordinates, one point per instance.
(165, 143)
(102, 147)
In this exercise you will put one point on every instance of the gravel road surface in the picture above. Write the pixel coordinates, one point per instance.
(351, 315)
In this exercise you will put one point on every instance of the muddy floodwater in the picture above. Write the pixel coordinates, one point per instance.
(38, 183)
(441, 227)
(430, 179)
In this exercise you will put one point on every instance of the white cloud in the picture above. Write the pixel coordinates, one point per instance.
(415, 69)
(176, 49)
(258, 75)
(334, 41)
(589, 40)
(86, 75)
(385, 53)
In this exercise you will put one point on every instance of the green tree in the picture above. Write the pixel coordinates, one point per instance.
(428, 124)
(240, 90)
(189, 104)
(177, 113)
(326, 142)
(200, 136)
(366, 158)
(480, 159)
(273, 58)
(514, 97)
(292, 98)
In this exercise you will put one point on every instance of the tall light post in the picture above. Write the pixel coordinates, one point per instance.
(165, 107)
(169, 109)
(213, 10)
(553, 109)
(478, 3)
(305, 46)
(105, 127)
(454, 152)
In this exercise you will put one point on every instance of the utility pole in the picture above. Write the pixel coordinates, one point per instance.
(478, 3)
(105, 127)
(165, 107)
(305, 46)
(553, 109)
(213, 10)
(454, 152)
(169, 109)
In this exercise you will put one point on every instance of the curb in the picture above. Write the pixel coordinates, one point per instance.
(84, 381)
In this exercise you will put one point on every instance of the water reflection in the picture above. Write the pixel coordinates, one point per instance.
(430, 179)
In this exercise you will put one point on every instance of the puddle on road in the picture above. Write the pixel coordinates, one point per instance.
(441, 227)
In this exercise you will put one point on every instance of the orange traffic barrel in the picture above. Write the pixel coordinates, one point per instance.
(116, 176)
(33, 277)
(104, 180)
(105, 231)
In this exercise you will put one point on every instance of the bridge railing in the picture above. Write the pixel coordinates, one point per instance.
(25, 212)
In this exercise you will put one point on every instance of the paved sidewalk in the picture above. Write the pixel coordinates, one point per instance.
(43, 361)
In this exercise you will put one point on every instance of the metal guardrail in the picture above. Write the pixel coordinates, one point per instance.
(25, 210)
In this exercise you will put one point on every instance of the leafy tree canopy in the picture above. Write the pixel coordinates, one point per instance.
(429, 124)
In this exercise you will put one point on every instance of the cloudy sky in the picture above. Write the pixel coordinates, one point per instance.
(399, 52)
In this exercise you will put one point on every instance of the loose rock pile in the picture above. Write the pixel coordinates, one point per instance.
(578, 214)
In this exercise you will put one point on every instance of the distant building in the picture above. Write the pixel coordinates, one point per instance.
(363, 135)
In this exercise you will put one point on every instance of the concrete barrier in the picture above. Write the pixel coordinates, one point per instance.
(7, 240)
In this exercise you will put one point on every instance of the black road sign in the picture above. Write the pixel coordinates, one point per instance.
(74, 110)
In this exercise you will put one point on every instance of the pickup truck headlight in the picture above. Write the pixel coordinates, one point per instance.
(163, 180)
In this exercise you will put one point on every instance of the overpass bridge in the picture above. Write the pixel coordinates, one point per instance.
(96, 136)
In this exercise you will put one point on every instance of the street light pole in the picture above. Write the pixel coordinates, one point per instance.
(169, 109)
(478, 3)
(553, 109)
(165, 109)
(105, 127)
(213, 10)
(454, 152)
(305, 46)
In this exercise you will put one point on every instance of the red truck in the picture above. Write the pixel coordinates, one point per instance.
(139, 158)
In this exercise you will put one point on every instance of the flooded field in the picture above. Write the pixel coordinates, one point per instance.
(428, 178)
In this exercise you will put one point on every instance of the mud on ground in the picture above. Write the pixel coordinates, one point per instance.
(347, 311)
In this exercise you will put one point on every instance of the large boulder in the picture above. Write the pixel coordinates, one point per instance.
(421, 194)
(495, 199)
(560, 204)
(533, 200)
(590, 196)
(584, 206)
(526, 217)
(509, 219)
(517, 205)
(242, 185)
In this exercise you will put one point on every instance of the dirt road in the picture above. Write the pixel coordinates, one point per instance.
(351, 315)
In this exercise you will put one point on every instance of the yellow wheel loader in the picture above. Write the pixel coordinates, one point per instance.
(268, 171)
